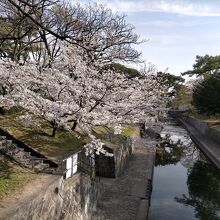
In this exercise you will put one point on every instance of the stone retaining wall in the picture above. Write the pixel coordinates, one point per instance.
(113, 166)
(121, 156)
(74, 198)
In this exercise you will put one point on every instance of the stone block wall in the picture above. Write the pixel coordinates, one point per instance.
(121, 156)
(74, 198)
(113, 166)
(80, 198)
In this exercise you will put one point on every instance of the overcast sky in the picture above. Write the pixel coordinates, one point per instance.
(177, 30)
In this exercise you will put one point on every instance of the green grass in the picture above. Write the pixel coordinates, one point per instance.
(12, 176)
(39, 139)
(127, 130)
(131, 131)
(60, 146)
(102, 132)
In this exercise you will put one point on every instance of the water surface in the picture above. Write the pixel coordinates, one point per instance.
(186, 186)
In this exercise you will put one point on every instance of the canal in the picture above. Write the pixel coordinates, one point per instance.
(186, 186)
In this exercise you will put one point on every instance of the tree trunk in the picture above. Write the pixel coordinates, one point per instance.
(54, 131)
(2, 111)
(74, 125)
(54, 125)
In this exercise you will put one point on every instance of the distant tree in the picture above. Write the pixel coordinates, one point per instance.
(204, 65)
(15, 33)
(171, 81)
(183, 97)
(206, 95)
(102, 34)
(129, 72)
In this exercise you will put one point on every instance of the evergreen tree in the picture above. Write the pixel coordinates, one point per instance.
(206, 95)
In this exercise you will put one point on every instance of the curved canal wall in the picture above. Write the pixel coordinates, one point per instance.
(206, 138)
(203, 127)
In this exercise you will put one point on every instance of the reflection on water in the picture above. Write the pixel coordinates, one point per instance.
(186, 185)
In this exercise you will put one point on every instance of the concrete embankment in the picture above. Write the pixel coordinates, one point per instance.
(207, 139)
(128, 196)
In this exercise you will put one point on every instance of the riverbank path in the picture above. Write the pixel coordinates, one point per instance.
(127, 197)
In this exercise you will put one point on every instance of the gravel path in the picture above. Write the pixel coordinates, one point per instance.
(122, 198)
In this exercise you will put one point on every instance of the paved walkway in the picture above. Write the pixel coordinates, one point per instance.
(209, 147)
(127, 197)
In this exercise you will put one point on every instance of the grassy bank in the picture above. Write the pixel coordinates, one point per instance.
(37, 134)
(103, 132)
(131, 131)
(39, 137)
(12, 176)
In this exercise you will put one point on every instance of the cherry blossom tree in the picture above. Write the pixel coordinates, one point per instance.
(77, 93)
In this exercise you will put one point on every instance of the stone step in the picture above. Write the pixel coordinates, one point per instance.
(3, 142)
(23, 157)
(27, 154)
(27, 163)
(10, 147)
(9, 141)
(36, 162)
(19, 154)
(51, 171)
(41, 167)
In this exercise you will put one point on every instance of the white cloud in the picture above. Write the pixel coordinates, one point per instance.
(167, 40)
(174, 24)
(167, 6)
(159, 24)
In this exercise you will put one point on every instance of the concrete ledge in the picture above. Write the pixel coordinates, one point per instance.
(200, 134)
